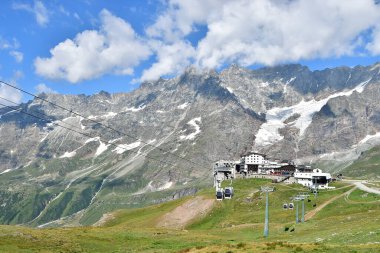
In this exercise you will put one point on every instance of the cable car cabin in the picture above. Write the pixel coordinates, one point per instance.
(228, 192)
(291, 205)
(219, 195)
(285, 206)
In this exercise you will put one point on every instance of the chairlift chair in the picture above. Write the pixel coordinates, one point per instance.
(228, 192)
(285, 206)
(291, 205)
(219, 194)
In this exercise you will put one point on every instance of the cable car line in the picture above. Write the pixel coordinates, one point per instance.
(81, 133)
(99, 123)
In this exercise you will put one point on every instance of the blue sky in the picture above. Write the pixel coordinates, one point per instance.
(86, 46)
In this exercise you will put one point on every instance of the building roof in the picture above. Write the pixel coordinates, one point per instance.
(253, 153)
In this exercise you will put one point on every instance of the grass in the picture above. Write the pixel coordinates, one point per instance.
(368, 164)
(363, 197)
(234, 225)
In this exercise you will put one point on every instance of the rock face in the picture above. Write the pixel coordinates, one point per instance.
(158, 142)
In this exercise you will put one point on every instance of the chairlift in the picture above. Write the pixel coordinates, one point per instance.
(291, 205)
(228, 192)
(219, 194)
(285, 206)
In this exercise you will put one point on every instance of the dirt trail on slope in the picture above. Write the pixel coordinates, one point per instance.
(313, 212)
(188, 211)
(104, 219)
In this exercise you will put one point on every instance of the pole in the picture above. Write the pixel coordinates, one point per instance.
(297, 213)
(266, 226)
(303, 211)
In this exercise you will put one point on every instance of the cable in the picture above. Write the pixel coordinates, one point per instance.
(97, 122)
(84, 134)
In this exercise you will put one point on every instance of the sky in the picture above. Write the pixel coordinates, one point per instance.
(85, 46)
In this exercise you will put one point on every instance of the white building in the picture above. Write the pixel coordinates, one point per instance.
(314, 179)
(253, 162)
(254, 158)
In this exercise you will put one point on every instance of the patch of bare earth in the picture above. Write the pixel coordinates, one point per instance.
(104, 219)
(187, 212)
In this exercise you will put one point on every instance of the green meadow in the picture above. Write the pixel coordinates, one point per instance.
(347, 224)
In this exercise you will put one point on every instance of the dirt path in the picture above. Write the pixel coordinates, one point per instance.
(188, 211)
(313, 212)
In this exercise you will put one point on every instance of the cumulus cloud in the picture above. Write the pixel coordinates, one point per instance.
(171, 59)
(374, 46)
(269, 32)
(43, 88)
(114, 48)
(181, 17)
(38, 9)
(247, 32)
(9, 93)
(17, 55)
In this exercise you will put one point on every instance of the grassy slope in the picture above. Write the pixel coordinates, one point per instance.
(233, 226)
(368, 164)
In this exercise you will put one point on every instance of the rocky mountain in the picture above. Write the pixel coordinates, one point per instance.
(109, 151)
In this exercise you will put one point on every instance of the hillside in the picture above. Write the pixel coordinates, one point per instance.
(88, 155)
(367, 165)
(231, 226)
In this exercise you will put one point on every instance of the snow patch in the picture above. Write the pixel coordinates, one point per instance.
(109, 115)
(5, 171)
(68, 154)
(124, 147)
(165, 186)
(369, 137)
(183, 106)
(102, 147)
(230, 89)
(104, 116)
(288, 82)
(194, 123)
(268, 132)
(150, 188)
(92, 139)
(134, 109)
(377, 66)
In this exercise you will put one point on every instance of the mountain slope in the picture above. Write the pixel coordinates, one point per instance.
(367, 165)
(158, 142)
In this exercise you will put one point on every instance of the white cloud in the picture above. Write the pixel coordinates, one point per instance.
(114, 48)
(17, 55)
(270, 32)
(171, 59)
(7, 45)
(374, 46)
(180, 18)
(246, 32)
(38, 9)
(10, 94)
(43, 88)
